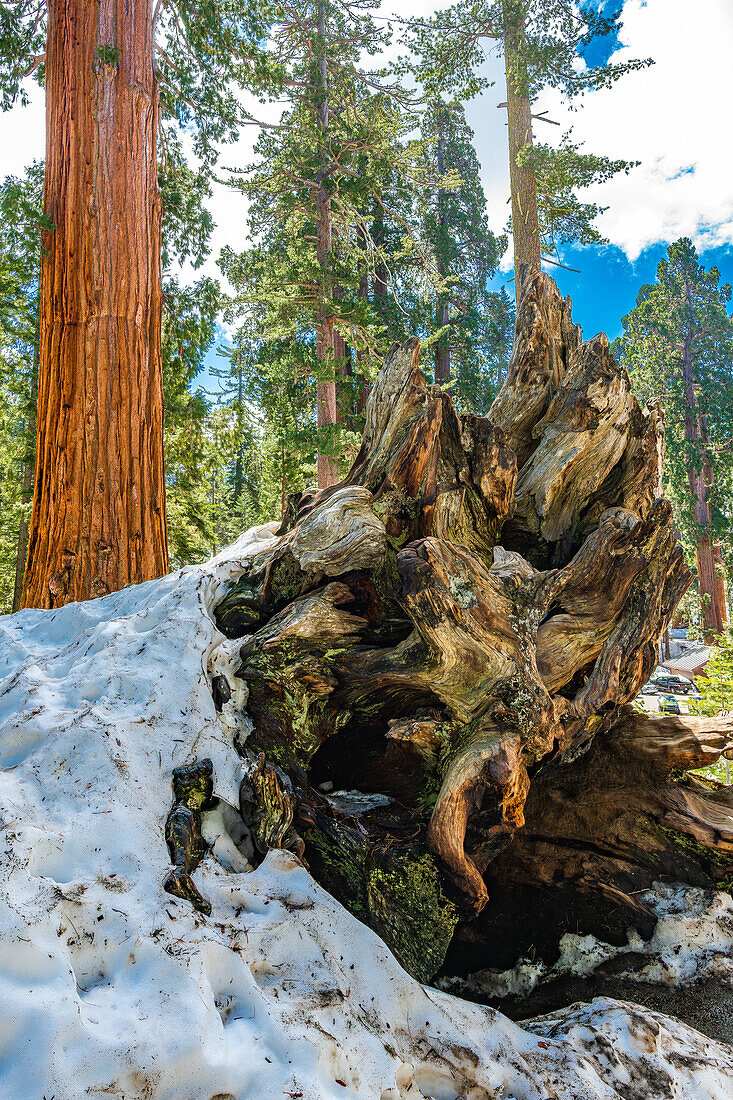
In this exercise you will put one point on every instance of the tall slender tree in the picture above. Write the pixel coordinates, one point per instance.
(544, 44)
(318, 170)
(678, 346)
(21, 224)
(466, 253)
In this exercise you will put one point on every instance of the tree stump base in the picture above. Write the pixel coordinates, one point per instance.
(455, 632)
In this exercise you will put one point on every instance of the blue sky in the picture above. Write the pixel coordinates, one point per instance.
(608, 283)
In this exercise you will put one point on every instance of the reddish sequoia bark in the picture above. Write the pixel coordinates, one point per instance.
(460, 626)
(98, 519)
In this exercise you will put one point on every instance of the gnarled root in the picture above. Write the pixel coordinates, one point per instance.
(491, 761)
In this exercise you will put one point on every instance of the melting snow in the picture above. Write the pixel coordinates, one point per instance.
(111, 988)
(693, 940)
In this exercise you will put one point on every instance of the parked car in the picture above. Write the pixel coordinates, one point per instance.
(668, 705)
(679, 685)
(649, 689)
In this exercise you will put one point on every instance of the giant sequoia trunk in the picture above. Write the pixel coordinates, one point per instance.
(441, 653)
(98, 518)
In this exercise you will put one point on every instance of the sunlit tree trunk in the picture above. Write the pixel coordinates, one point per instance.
(328, 472)
(525, 218)
(442, 346)
(700, 481)
(98, 520)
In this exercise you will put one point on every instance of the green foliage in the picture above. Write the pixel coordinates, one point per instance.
(716, 686)
(107, 54)
(456, 310)
(559, 174)
(408, 226)
(21, 224)
(22, 47)
(716, 696)
(550, 39)
(682, 319)
(189, 315)
(341, 140)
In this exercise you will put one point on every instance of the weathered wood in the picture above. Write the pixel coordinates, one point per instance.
(193, 791)
(582, 437)
(459, 627)
(429, 471)
(545, 340)
(600, 831)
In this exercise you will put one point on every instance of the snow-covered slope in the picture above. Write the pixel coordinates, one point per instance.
(111, 988)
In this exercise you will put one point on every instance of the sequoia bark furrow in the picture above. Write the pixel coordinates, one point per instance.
(98, 520)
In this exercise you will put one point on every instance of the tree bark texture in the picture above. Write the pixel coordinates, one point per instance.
(440, 653)
(98, 520)
(327, 467)
(525, 216)
(700, 481)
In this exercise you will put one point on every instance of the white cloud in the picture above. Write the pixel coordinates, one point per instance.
(673, 117)
(23, 134)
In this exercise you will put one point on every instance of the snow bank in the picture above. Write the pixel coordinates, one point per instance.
(693, 940)
(111, 988)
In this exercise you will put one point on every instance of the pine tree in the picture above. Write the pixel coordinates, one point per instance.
(318, 177)
(21, 223)
(466, 255)
(678, 346)
(188, 331)
(543, 43)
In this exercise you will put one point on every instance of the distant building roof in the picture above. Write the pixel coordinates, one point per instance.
(690, 661)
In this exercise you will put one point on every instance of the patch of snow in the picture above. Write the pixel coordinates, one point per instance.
(357, 802)
(693, 940)
(111, 988)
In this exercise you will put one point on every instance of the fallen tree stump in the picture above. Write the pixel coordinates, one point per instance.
(457, 630)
